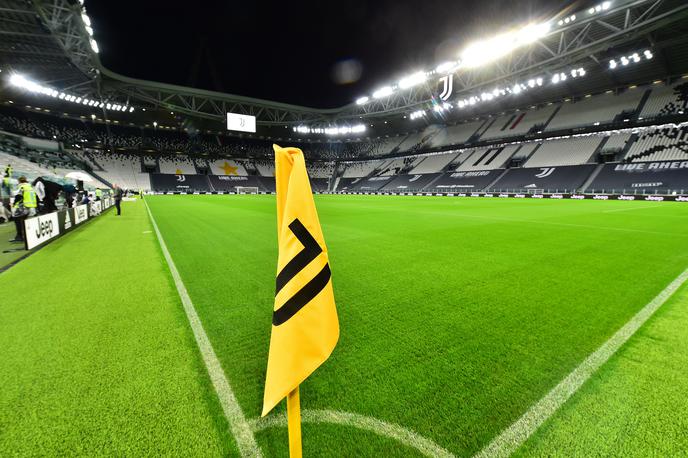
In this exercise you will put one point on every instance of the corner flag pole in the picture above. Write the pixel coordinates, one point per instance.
(294, 423)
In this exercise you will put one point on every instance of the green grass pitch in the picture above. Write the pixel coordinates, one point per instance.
(456, 315)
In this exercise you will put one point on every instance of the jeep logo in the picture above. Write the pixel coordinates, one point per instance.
(44, 228)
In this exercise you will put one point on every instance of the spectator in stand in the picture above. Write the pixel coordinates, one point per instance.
(117, 193)
(25, 204)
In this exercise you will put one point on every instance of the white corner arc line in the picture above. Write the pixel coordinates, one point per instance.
(515, 435)
(241, 430)
(400, 434)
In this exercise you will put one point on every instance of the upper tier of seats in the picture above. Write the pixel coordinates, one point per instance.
(642, 102)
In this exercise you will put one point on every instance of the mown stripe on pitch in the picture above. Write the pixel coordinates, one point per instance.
(240, 428)
(516, 435)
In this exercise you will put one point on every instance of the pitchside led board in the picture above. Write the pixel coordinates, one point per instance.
(241, 123)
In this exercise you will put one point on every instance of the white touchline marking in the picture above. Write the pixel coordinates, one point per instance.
(515, 435)
(382, 428)
(235, 417)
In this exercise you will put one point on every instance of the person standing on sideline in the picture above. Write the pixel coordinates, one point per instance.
(117, 192)
(25, 204)
(6, 176)
(99, 194)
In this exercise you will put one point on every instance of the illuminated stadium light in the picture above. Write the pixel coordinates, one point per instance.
(599, 8)
(634, 58)
(383, 92)
(334, 130)
(86, 19)
(22, 82)
(417, 114)
(567, 20)
(94, 46)
(413, 80)
(362, 100)
(447, 67)
(486, 51)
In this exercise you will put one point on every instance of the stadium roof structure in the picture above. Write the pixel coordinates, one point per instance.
(52, 43)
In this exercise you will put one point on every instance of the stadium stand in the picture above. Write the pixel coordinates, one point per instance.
(122, 169)
(488, 158)
(434, 162)
(568, 151)
(550, 179)
(226, 167)
(456, 134)
(520, 122)
(666, 100)
(598, 109)
(664, 144)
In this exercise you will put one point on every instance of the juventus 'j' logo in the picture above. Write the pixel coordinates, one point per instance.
(447, 87)
(181, 178)
(311, 250)
(546, 171)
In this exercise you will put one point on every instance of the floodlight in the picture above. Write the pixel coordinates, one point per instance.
(131, 109)
(539, 81)
(648, 54)
(383, 92)
(606, 5)
(445, 67)
(362, 100)
(89, 29)
(624, 61)
(94, 46)
(412, 80)
(86, 19)
(612, 64)
(591, 11)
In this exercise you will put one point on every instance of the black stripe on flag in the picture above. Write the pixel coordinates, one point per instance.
(302, 297)
(310, 251)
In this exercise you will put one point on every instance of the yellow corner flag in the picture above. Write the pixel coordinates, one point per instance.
(305, 328)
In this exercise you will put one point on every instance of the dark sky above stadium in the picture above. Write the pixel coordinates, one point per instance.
(316, 53)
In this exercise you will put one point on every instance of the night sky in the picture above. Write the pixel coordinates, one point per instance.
(316, 53)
